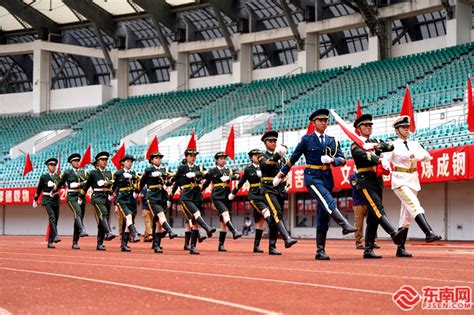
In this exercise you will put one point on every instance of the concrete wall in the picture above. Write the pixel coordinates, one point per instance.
(16, 103)
(214, 80)
(144, 89)
(418, 46)
(353, 60)
(80, 97)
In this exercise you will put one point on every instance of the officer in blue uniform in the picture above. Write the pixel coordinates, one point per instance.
(321, 151)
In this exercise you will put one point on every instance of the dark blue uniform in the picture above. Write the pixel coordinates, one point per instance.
(318, 177)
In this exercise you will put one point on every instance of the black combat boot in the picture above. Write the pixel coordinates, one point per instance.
(256, 242)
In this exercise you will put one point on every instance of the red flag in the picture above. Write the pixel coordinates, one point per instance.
(58, 170)
(470, 106)
(192, 142)
(28, 165)
(310, 129)
(152, 148)
(229, 147)
(407, 109)
(358, 114)
(86, 158)
(269, 124)
(118, 156)
(347, 129)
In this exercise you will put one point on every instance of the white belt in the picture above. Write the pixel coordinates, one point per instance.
(101, 189)
(72, 190)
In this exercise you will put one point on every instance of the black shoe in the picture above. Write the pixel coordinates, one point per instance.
(186, 247)
(432, 237)
(402, 253)
(376, 246)
(257, 250)
(202, 238)
(360, 246)
(256, 242)
(221, 248)
(109, 236)
(100, 247)
(397, 236)
(209, 229)
(51, 245)
(274, 251)
(83, 233)
(75, 246)
(321, 255)
(158, 250)
(194, 251)
(290, 242)
(342, 222)
(57, 239)
(134, 238)
(235, 234)
(126, 249)
(172, 235)
(369, 254)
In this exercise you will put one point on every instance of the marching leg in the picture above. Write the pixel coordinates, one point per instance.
(256, 243)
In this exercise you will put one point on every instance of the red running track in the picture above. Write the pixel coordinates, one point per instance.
(38, 280)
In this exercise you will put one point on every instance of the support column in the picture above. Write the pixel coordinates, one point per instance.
(308, 59)
(179, 77)
(41, 79)
(459, 29)
(243, 66)
(120, 83)
(373, 52)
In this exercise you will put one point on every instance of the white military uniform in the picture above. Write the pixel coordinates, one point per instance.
(405, 181)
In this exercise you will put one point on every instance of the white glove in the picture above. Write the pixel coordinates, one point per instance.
(79, 201)
(369, 146)
(287, 187)
(50, 183)
(225, 178)
(259, 173)
(281, 149)
(110, 197)
(326, 159)
(127, 175)
(73, 185)
(190, 174)
(156, 174)
(135, 195)
(51, 194)
(168, 204)
(276, 181)
(35, 204)
(386, 165)
(101, 183)
(231, 196)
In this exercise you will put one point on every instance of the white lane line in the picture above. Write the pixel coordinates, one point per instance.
(316, 285)
(273, 268)
(4, 311)
(177, 294)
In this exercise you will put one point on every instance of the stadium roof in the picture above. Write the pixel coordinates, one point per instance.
(147, 23)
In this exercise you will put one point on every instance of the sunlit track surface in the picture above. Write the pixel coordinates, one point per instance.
(37, 280)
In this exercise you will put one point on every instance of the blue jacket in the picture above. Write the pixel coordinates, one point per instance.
(312, 148)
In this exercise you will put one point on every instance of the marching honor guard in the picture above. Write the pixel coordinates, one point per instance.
(188, 177)
(101, 181)
(50, 202)
(253, 175)
(370, 182)
(271, 161)
(154, 178)
(126, 187)
(405, 182)
(75, 178)
(320, 151)
(220, 177)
